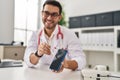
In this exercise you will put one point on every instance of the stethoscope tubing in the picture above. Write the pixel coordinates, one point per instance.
(59, 34)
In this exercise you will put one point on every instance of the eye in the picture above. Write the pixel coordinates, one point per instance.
(55, 14)
(46, 12)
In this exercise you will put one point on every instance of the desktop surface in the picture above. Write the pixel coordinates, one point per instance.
(41, 73)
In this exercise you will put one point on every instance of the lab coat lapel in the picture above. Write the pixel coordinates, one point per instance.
(42, 37)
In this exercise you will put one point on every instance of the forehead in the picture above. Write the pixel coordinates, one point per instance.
(51, 8)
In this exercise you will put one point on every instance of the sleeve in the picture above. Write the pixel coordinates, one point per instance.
(75, 51)
(31, 48)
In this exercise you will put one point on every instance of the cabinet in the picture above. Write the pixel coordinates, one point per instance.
(74, 22)
(101, 46)
(12, 52)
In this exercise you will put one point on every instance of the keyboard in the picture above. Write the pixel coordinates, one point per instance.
(5, 64)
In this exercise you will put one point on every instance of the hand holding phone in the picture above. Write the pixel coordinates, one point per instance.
(58, 59)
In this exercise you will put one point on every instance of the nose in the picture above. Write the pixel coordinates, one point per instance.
(49, 17)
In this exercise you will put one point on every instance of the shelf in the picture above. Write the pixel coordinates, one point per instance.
(99, 49)
(97, 28)
(117, 51)
(102, 44)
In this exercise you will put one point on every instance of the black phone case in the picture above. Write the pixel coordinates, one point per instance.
(58, 59)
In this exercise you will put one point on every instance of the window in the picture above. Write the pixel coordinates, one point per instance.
(26, 18)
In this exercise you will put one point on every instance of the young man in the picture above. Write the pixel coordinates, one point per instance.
(45, 43)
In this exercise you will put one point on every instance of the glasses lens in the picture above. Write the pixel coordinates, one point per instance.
(45, 13)
(55, 15)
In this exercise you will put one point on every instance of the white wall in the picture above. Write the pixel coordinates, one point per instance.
(6, 21)
(84, 7)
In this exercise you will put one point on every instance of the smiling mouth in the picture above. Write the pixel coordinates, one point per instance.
(49, 22)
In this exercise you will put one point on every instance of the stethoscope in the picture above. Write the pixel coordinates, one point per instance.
(59, 36)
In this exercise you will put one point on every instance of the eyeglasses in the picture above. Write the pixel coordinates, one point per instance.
(53, 15)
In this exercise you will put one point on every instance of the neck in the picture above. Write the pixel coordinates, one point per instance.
(48, 32)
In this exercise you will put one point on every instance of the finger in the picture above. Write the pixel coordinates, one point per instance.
(47, 45)
(56, 71)
(61, 69)
(65, 63)
(44, 48)
(45, 51)
(47, 48)
(41, 45)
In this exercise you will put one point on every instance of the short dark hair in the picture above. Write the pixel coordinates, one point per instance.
(54, 3)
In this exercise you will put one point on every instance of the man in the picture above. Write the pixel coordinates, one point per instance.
(45, 43)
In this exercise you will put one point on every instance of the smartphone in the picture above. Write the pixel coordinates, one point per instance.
(58, 59)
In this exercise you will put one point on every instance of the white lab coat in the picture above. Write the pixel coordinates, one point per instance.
(69, 41)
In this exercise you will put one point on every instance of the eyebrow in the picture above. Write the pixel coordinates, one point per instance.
(52, 12)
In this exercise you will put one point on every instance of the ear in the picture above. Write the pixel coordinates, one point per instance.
(60, 17)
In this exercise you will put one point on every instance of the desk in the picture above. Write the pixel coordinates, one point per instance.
(41, 73)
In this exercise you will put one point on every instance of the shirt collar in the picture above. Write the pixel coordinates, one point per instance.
(53, 33)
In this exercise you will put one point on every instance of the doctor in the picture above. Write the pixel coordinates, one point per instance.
(45, 43)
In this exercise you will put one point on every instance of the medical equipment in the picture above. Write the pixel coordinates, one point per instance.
(96, 73)
(58, 34)
(92, 74)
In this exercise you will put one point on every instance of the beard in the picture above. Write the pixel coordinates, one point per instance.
(50, 26)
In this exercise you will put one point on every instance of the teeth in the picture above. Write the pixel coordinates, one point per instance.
(49, 22)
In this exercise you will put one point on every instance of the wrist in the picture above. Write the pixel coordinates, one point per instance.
(37, 54)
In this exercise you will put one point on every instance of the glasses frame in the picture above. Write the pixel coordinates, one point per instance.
(53, 15)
